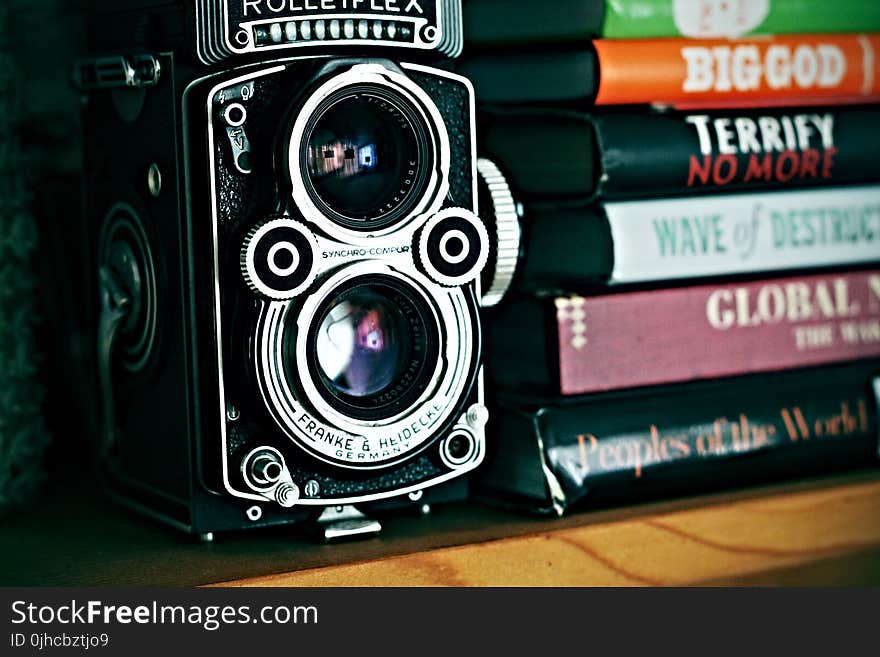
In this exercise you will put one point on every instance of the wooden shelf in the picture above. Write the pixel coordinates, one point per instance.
(825, 535)
(822, 531)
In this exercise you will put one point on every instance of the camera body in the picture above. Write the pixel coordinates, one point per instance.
(287, 257)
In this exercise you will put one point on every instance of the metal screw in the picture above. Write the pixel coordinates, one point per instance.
(477, 416)
(426, 509)
(154, 180)
(207, 537)
(232, 413)
(312, 488)
(254, 513)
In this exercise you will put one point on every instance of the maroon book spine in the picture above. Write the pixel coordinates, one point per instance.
(682, 334)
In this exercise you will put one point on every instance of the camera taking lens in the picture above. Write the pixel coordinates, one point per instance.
(374, 344)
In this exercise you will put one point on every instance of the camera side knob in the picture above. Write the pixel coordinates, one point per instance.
(502, 212)
(452, 247)
(278, 259)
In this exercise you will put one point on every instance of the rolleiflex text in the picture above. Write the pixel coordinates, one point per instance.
(268, 7)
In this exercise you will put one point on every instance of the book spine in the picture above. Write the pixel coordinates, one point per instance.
(679, 334)
(508, 22)
(525, 142)
(645, 19)
(692, 237)
(659, 154)
(565, 249)
(792, 70)
(526, 76)
(625, 155)
(687, 438)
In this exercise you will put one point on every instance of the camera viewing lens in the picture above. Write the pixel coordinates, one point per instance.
(365, 158)
(374, 347)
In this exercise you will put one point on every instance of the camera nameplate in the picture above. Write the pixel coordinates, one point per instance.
(241, 27)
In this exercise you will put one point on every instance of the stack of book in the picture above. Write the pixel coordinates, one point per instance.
(697, 300)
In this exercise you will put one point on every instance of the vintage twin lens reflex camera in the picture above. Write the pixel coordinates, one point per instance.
(287, 257)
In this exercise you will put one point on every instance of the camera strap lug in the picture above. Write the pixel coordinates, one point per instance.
(117, 72)
(341, 522)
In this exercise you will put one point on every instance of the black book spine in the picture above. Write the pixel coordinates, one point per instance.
(548, 155)
(687, 438)
(564, 248)
(618, 155)
(519, 76)
(506, 22)
(659, 154)
(521, 345)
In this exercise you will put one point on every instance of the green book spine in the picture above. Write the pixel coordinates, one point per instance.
(643, 19)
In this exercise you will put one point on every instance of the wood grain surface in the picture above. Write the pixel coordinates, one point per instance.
(813, 532)
(816, 531)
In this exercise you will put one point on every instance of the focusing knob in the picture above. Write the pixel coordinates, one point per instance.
(278, 259)
(500, 209)
(453, 247)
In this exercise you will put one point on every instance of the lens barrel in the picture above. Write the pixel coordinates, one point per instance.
(373, 346)
(367, 151)
(365, 158)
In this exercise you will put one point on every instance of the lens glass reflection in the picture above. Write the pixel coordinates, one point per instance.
(363, 157)
(363, 343)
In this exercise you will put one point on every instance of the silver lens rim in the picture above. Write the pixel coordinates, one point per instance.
(287, 401)
(437, 183)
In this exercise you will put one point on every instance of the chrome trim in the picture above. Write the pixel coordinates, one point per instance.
(438, 182)
(425, 234)
(216, 243)
(435, 405)
(405, 235)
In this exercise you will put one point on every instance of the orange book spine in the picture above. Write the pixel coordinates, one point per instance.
(800, 69)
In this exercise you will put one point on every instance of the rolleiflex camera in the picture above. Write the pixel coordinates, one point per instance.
(287, 258)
